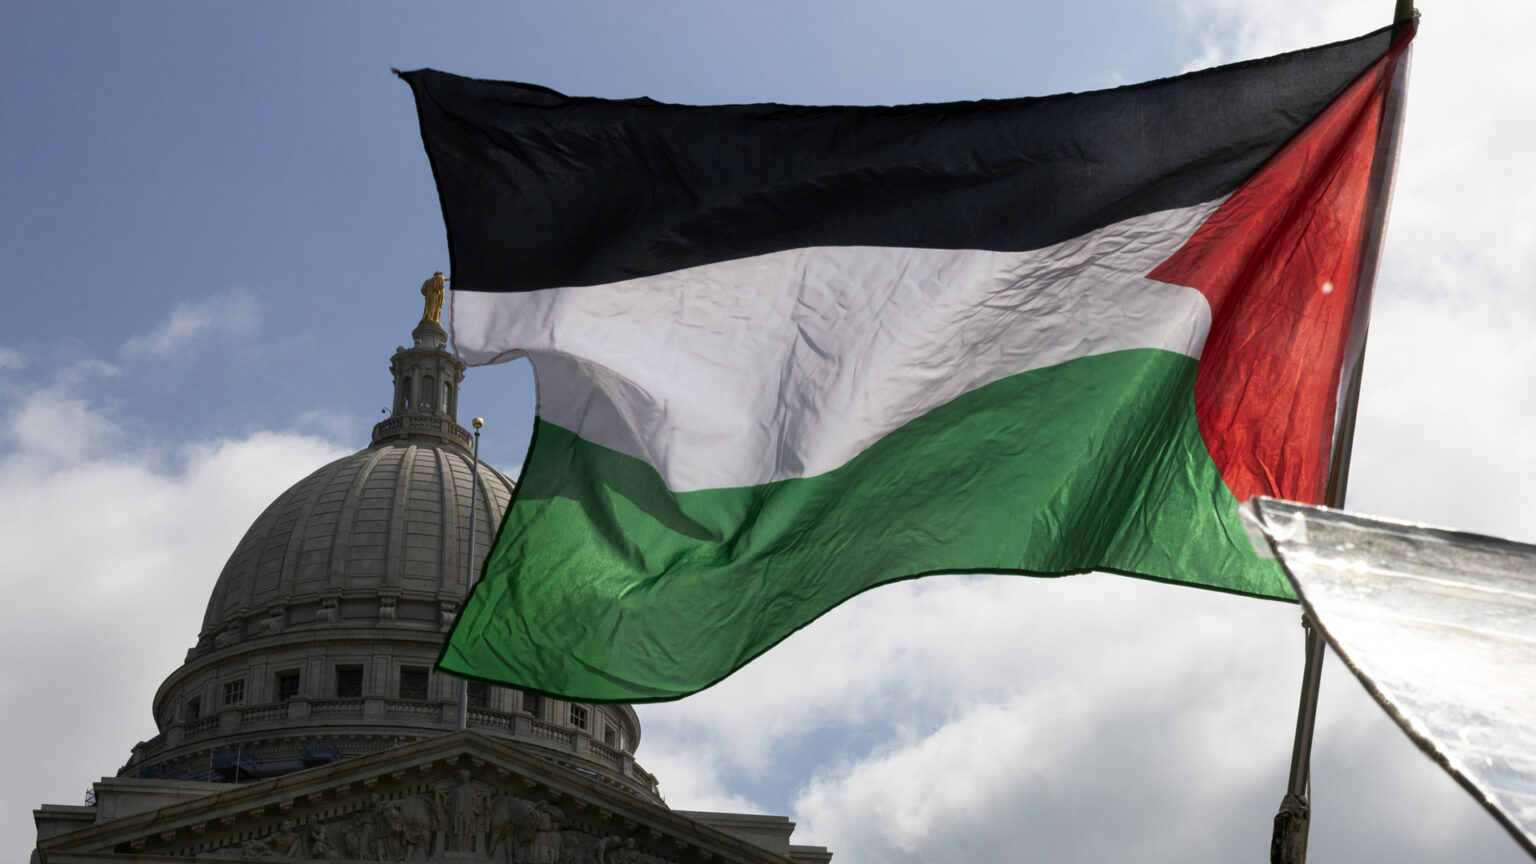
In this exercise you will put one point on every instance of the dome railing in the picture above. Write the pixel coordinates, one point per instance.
(293, 714)
(423, 425)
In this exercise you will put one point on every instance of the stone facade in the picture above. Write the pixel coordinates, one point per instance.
(307, 722)
(457, 797)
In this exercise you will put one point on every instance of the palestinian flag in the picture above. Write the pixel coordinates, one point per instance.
(785, 354)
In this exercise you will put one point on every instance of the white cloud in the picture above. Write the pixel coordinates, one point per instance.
(694, 780)
(57, 426)
(1187, 766)
(1234, 30)
(974, 691)
(1085, 719)
(229, 313)
(11, 360)
(109, 557)
(333, 425)
(1445, 408)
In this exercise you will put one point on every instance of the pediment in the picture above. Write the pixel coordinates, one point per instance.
(457, 798)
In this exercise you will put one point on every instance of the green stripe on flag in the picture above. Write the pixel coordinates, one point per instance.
(628, 592)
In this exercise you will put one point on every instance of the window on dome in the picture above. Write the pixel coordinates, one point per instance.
(610, 737)
(287, 685)
(531, 703)
(578, 716)
(413, 682)
(234, 691)
(194, 708)
(349, 682)
(479, 695)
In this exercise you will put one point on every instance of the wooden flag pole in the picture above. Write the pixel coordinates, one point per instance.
(1288, 844)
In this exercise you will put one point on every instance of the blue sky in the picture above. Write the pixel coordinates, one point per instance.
(215, 221)
(265, 152)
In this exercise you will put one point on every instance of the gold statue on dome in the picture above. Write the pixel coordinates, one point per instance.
(433, 289)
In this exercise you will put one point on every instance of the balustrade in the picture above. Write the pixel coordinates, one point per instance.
(303, 712)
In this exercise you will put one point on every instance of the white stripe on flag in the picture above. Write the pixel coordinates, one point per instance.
(789, 364)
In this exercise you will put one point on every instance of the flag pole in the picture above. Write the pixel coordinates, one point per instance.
(469, 566)
(1288, 844)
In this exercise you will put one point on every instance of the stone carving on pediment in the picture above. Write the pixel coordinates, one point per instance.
(458, 819)
(463, 810)
(526, 832)
(288, 841)
(327, 613)
(582, 848)
(445, 613)
(318, 840)
(402, 828)
(386, 610)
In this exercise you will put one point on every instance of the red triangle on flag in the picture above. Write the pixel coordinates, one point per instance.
(1279, 262)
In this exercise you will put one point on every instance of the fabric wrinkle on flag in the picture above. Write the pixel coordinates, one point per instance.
(785, 354)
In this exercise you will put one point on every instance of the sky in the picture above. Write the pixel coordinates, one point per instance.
(216, 218)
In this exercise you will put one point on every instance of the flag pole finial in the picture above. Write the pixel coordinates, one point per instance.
(1404, 13)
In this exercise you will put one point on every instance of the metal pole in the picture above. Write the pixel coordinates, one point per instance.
(1288, 844)
(1306, 715)
(469, 566)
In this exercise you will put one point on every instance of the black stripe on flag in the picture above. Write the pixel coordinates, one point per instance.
(542, 190)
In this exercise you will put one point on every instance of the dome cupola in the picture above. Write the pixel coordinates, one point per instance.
(322, 631)
(426, 402)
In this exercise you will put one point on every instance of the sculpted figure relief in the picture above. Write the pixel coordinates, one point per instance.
(458, 819)
(408, 828)
(463, 811)
(359, 837)
(228, 636)
(275, 621)
(526, 832)
(547, 843)
(317, 839)
(512, 825)
(285, 842)
(613, 850)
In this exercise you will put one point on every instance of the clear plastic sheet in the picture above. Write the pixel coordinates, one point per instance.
(1440, 627)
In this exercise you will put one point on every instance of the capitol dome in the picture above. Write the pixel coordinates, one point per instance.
(321, 633)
